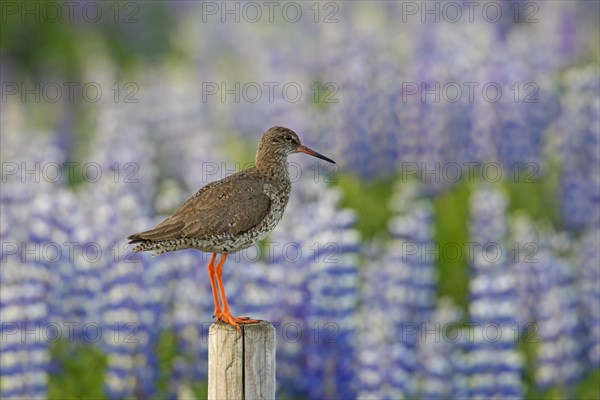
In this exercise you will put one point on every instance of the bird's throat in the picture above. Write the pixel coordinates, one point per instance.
(275, 167)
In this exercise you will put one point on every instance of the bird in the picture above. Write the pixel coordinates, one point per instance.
(231, 214)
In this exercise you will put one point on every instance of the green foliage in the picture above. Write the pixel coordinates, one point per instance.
(536, 196)
(323, 94)
(370, 201)
(81, 369)
(166, 351)
(589, 388)
(54, 32)
(80, 372)
(50, 45)
(451, 236)
(200, 390)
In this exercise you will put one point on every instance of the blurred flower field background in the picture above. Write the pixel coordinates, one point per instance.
(453, 253)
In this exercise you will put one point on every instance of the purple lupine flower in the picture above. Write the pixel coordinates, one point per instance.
(130, 324)
(495, 366)
(112, 204)
(548, 308)
(432, 126)
(402, 300)
(363, 117)
(373, 355)
(564, 32)
(30, 164)
(191, 314)
(524, 112)
(561, 352)
(507, 128)
(305, 283)
(413, 230)
(124, 154)
(580, 138)
(25, 329)
(589, 278)
(31, 251)
(508, 121)
(333, 294)
(448, 119)
(29, 258)
(441, 376)
(524, 245)
(411, 253)
(121, 314)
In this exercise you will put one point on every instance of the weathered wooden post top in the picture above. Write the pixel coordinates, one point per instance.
(241, 365)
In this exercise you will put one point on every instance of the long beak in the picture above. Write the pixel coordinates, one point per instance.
(304, 149)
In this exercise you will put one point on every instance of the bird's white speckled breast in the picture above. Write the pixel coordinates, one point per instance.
(279, 197)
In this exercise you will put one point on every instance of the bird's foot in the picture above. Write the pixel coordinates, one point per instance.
(235, 321)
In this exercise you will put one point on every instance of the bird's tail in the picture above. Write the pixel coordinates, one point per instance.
(143, 244)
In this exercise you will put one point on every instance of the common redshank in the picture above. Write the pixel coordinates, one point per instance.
(231, 214)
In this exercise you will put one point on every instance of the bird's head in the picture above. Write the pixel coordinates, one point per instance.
(279, 142)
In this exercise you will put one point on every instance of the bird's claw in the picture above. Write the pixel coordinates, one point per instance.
(235, 321)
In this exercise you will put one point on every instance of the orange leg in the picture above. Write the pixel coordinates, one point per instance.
(213, 283)
(225, 315)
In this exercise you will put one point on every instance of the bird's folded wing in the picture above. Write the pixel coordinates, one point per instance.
(230, 207)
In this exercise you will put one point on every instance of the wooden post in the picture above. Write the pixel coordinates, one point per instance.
(241, 365)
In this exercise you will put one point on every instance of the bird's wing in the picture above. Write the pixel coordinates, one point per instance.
(228, 206)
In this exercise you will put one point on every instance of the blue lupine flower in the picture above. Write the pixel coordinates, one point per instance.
(26, 330)
(333, 296)
(548, 308)
(580, 138)
(524, 112)
(31, 251)
(112, 205)
(589, 278)
(402, 300)
(413, 226)
(374, 333)
(495, 366)
(192, 312)
(441, 372)
(560, 355)
(524, 246)
(361, 130)
(434, 111)
(563, 42)
(121, 314)
(311, 272)
(448, 121)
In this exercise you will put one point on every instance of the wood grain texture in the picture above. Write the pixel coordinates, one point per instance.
(241, 365)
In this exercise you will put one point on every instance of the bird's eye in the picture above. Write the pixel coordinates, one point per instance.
(288, 138)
